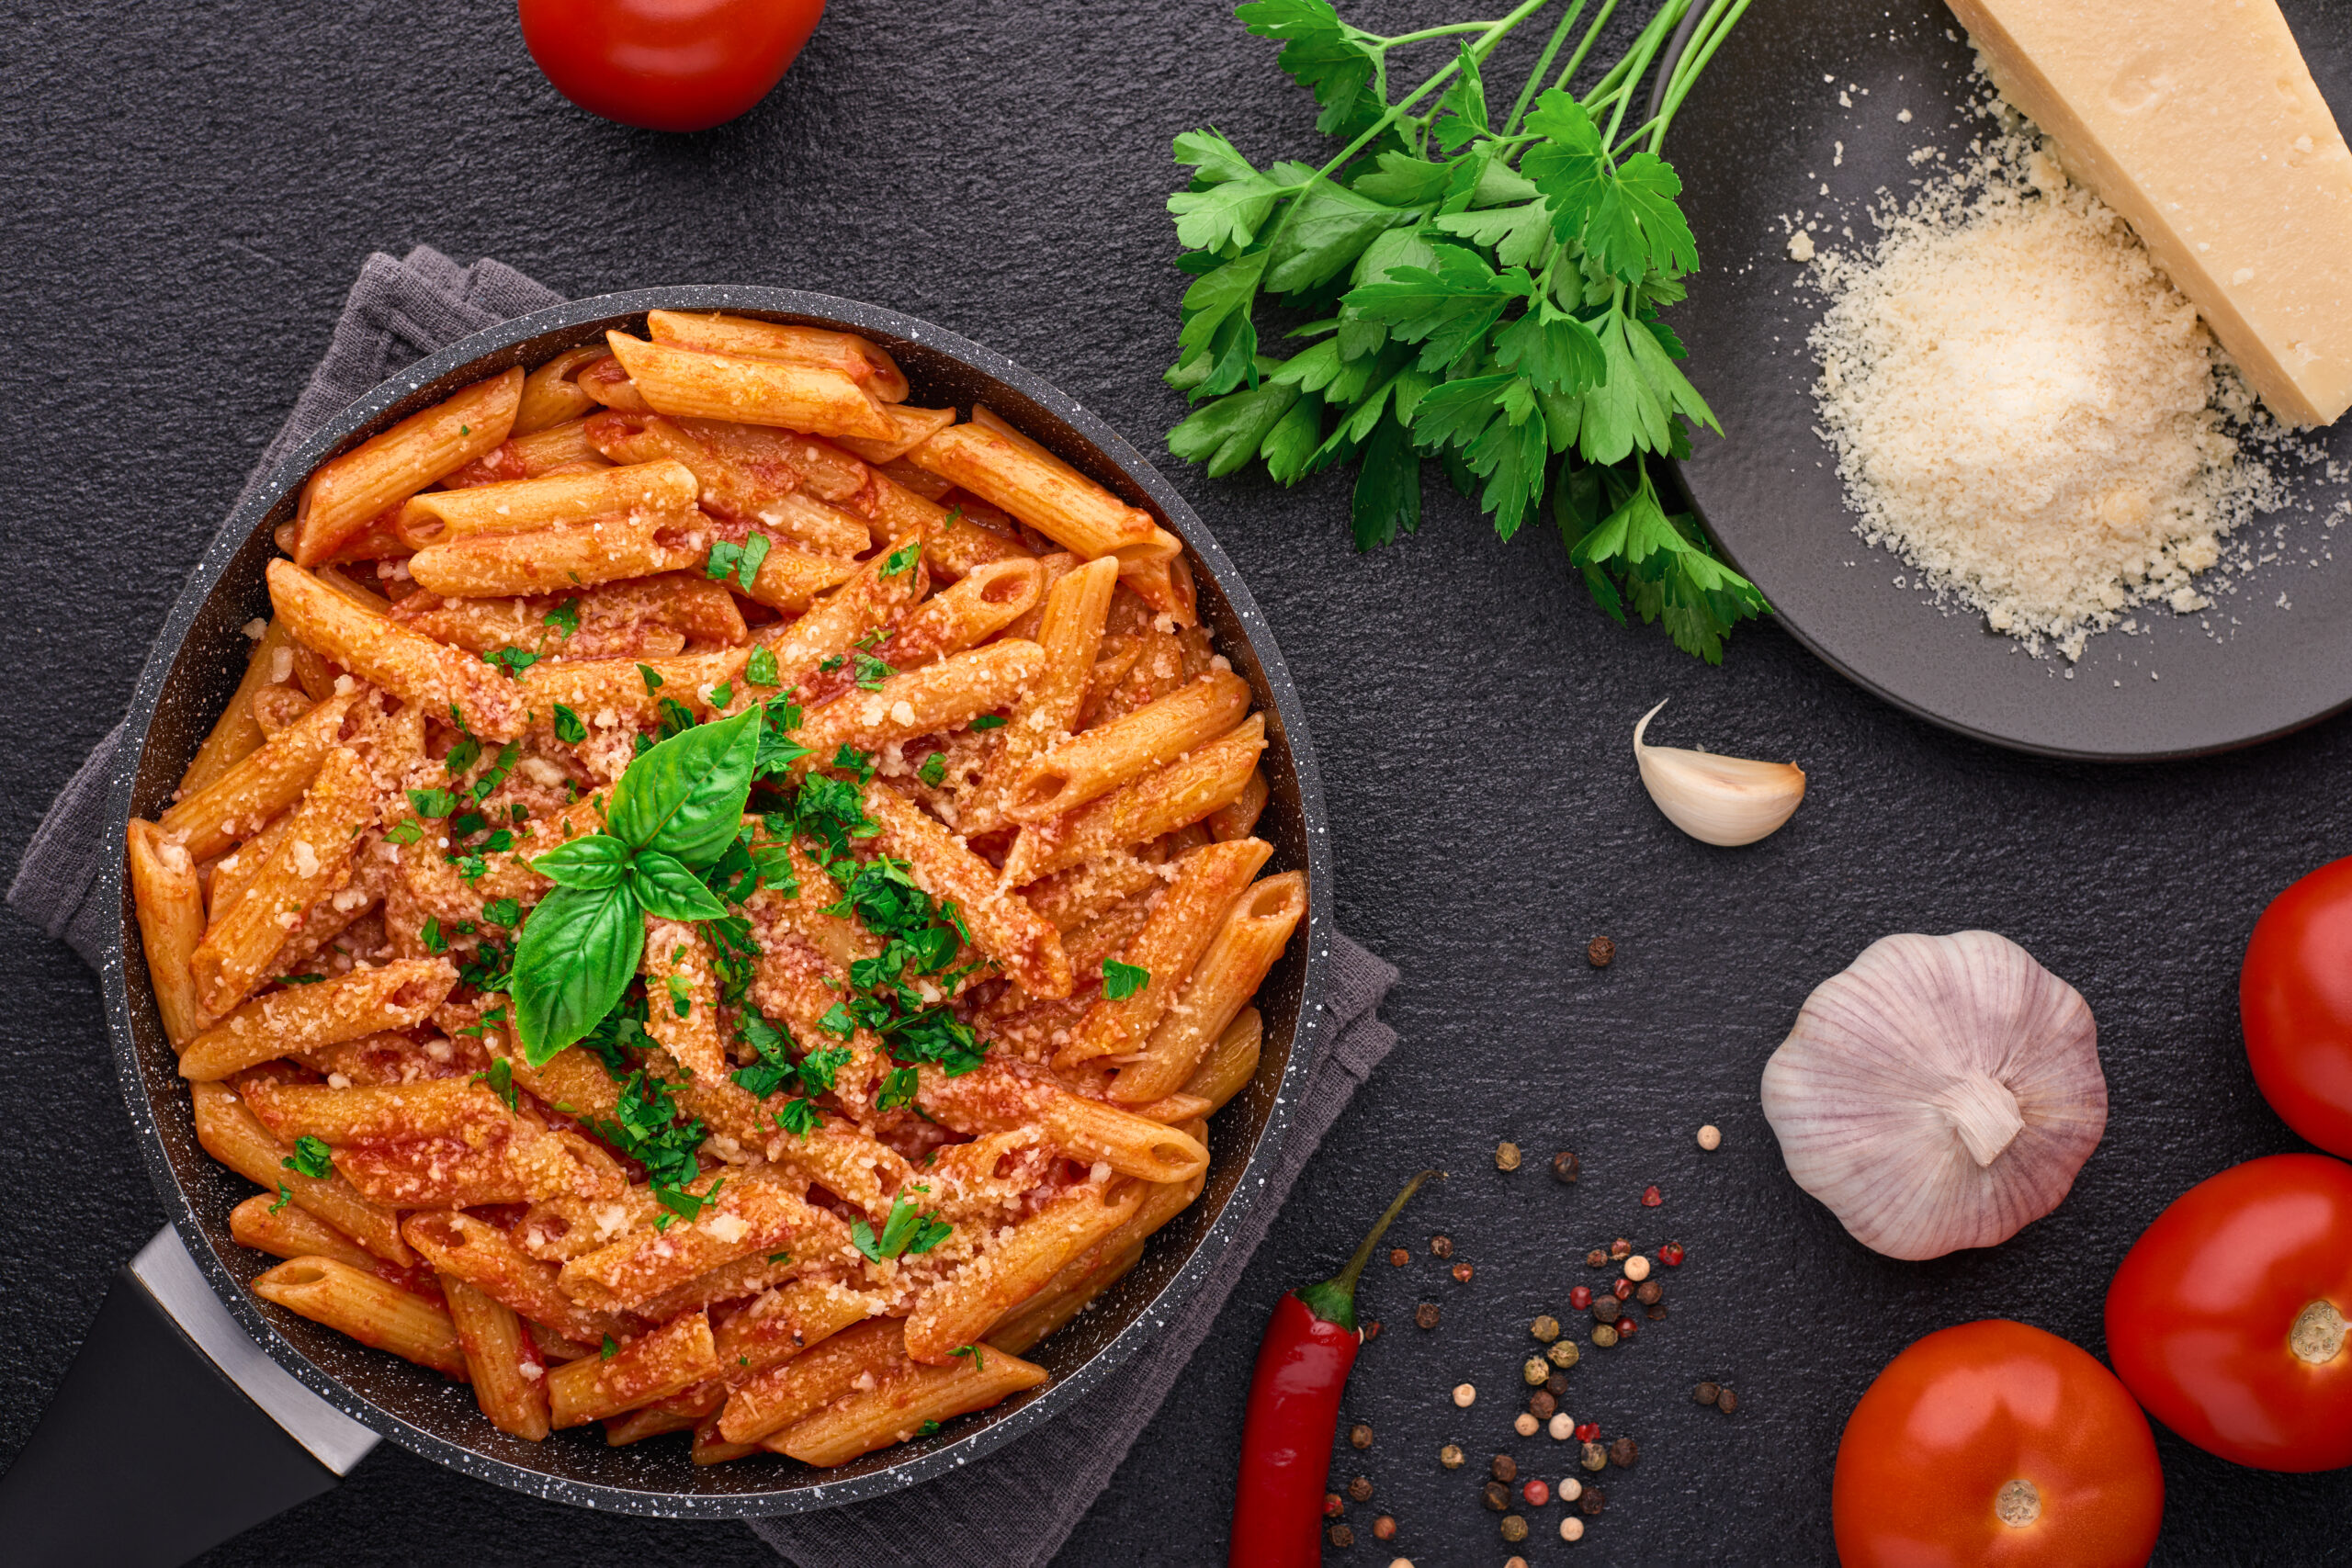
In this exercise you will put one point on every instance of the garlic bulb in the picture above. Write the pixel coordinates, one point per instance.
(1940, 1093)
(1718, 800)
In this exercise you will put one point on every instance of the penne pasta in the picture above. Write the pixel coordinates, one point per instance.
(926, 1079)
(347, 491)
(508, 1377)
(277, 1226)
(655, 1365)
(368, 1308)
(1089, 765)
(897, 1408)
(169, 903)
(691, 384)
(1246, 946)
(1165, 951)
(753, 339)
(348, 1006)
(1176, 796)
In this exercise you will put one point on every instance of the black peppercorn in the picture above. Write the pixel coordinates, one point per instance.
(1655, 1312)
(1383, 1528)
(1600, 952)
(1556, 1386)
(1506, 1468)
(1441, 1246)
(1360, 1435)
(1592, 1501)
(1360, 1489)
(1565, 1167)
(1624, 1452)
(1606, 1309)
(1425, 1314)
(1498, 1496)
(1726, 1402)
(1650, 1292)
(1541, 1404)
(1342, 1536)
(1706, 1393)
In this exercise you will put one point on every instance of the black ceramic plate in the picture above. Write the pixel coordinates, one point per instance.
(1798, 115)
(196, 665)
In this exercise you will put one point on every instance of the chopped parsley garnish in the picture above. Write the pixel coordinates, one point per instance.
(510, 662)
(312, 1157)
(610, 1349)
(902, 559)
(988, 721)
(799, 1117)
(565, 617)
(828, 666)
(979, 1363)
(926, 1429)
(568, 727)
(898, 1086)
(760, 669)
(430, 935)
(933, 769)
(742, 561)
(688, 1206)
(407, 830)
(872, 672)
(906, 1233)
(502, 911)
(500, 1079)
(680, 995)
(652, 677)
(722, 697)
(499, 769)
(779, 1258)
(850, 760)
(433, 803)
(1121, 981)
(284, 1196)
(300, 979)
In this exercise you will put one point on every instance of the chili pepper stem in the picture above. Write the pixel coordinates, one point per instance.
(1334, 1300)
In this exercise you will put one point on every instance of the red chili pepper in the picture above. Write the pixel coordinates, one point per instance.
(1303, 1363)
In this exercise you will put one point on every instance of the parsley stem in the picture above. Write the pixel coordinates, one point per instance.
(1544, 65)
(1591, 37)
(1712, 30)
(1434, 32)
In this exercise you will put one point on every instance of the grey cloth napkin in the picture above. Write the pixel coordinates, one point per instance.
(399, 312)
(1017, 1506)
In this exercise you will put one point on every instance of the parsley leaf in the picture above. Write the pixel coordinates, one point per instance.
(1121, 981)
(430, 935)
(565, 617)
(933, 769)
(902, 559)
(799, 1117)
(906, 1232)
(433, 803)
(568, 727)
(980, 1362)
(610, 1349)
(988, 721)
(872, 672)
(284, 1196)
(312, 1157)
(510, 662)
(760, 669)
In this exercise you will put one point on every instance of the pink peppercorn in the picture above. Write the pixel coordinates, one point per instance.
(1652, 1197)
(1670, 1254)
(1536, 1493)
(1588, 1431)
(1622, 1288)
(1580, 1297)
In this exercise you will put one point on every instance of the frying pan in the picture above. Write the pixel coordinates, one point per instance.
(194, 1423)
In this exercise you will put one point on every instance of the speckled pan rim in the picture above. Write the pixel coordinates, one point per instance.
(1312, 1015)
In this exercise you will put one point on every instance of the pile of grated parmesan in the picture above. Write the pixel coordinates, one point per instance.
(2023, 407)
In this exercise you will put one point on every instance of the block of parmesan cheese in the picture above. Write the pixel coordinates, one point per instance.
(2198, 121)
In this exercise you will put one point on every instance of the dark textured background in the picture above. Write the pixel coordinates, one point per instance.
(188, 190)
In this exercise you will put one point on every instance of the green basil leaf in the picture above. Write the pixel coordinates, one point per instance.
(591, 864)
(685, 796)
(578, 952)
(669, 890)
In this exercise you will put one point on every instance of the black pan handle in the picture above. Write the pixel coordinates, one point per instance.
(149, 1454)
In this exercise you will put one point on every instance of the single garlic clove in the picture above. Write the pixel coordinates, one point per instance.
(1718, 800)
(1940, 1093)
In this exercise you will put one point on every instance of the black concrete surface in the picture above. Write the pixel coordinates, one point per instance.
(184, 193)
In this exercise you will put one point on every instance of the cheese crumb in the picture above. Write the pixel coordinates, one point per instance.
(1801, 246)
(255, 628)
(728, 1228)
(2025, 411)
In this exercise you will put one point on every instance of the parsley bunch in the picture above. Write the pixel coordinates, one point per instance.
(1482, 289)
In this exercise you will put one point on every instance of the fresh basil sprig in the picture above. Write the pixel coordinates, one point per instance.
(673, 813)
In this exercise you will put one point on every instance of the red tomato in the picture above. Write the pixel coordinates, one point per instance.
(1997, 1443)
(2227, 1317)
(2295, 997)
(667, 64)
